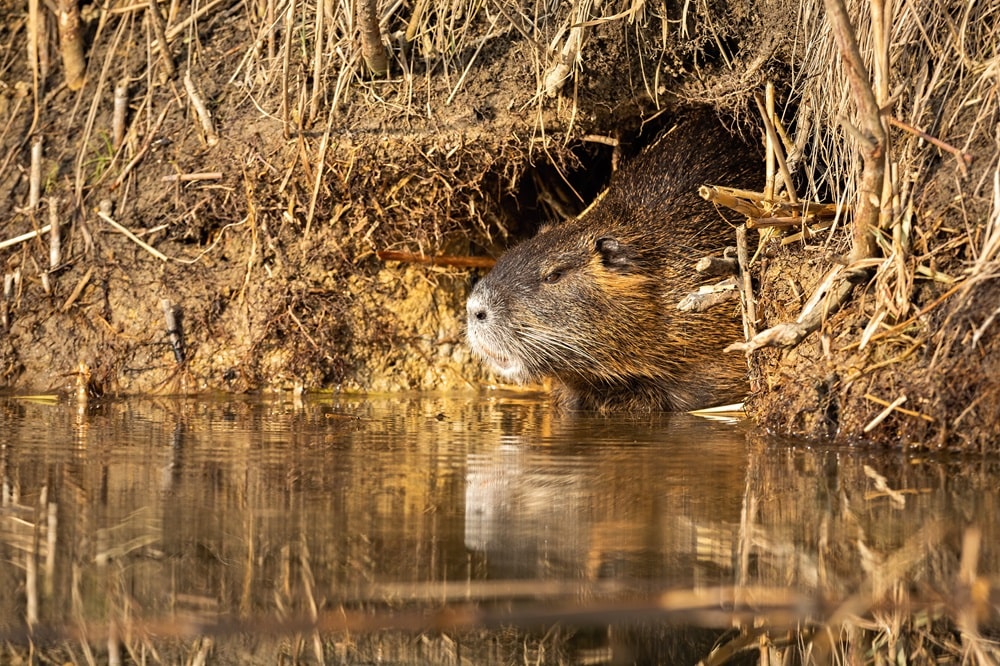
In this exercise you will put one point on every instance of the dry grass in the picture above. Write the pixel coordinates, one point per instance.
(917, 178)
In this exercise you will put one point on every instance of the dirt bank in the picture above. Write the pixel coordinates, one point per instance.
(260, 168)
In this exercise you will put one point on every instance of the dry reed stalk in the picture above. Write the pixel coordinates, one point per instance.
(178, 28)
(119, 113)
(908, 412)
(131, 236)
(204, 115)
(11, 283)
(55, 237)
(286, 54)
(160, 30)
(775, 152)
(884, 414)
(825, 301)
(709, 295)
(141, 153)
(764, 212)
(561, 66)
(35, 174)
(71, 43)
(746, 285)
(717, 266)
(372, 49)
(873, 140)
(807, 233)
(751, 204)
(77, 290)
(11, 242)
(318, 80)
(37, 48)
(320, 165)
(190, 177)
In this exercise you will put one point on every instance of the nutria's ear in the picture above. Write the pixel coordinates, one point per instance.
(613, 253)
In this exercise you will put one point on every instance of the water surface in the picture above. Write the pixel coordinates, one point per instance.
(450, 528)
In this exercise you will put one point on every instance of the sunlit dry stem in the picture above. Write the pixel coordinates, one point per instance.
(8, 295)
(44, 277)
(55, 240)
(318, 80)
(186, 177)
(825, 301)
(178, 28)
(769, 148)
(908, 412)
(562, 66)
(77, 290)
(414, 24)
(10, 281)
(119, 113)
(746, 284)
(964, 159)
(270, 30)
(160, 30)
(775, 151)
(708, 296)
(372, 49)
(132, 237)
(37, 51)
(10, 242)
(884, 414)
(211, 138)
(71, 43)
(868, 210)
(35, 177)
(286, 54)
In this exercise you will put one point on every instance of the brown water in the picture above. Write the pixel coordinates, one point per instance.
(469, 529)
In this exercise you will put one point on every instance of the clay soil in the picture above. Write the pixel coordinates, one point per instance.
(270, 230)
(256, 257)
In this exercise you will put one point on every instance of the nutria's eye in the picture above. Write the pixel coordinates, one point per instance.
(552, 277)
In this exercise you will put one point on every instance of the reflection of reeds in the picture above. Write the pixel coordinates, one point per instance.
(901, 607)
(218, 522)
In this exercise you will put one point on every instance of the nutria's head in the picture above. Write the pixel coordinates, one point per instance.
(575, 301)
(592, 302)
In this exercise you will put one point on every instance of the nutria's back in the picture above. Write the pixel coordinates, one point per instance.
(592, 302)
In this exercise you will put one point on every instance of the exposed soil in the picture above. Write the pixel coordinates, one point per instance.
(271, 265)
(269, 225)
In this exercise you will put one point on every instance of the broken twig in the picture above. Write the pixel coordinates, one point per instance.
(131, 236)
(441, 260)
(11, 242)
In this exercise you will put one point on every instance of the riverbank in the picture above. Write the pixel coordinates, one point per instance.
(206, 199)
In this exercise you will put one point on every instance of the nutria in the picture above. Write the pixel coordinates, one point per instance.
(591, 302)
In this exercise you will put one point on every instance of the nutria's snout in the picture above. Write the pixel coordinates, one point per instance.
(476, 310)
(487, 336)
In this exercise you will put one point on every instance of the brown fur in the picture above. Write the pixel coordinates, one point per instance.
(592, 302)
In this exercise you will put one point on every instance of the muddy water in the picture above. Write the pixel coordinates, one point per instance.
(460, 529)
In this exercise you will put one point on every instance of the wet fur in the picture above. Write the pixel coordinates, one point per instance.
(592, 302)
